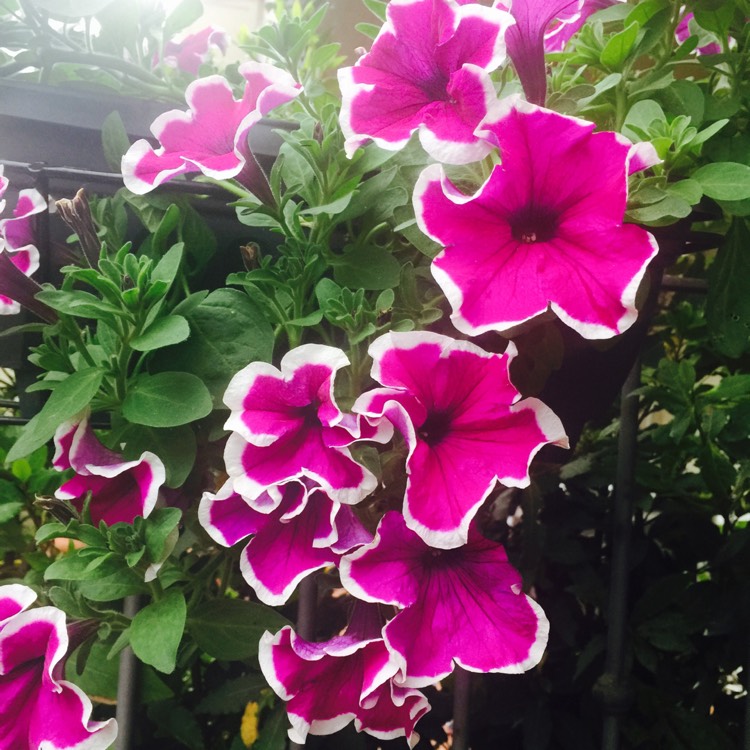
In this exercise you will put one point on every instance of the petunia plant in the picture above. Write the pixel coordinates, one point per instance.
(310, 464)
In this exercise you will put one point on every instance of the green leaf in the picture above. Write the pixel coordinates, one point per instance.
(231, 628)
(99, 677)
(367, 268)
(186, 13)
(115, 141)
(640, 116)
(228, 331)
(169, 264)
(156, 631)
(726, 181)
(69, 397)
(370, 30)
(617, 49)
(8, 511)
(167, 399)
(232, 696)
(273, 731)
(689, 190)
(728, 303)
(159, 526)
(177, 722)
(164, 332)
(377, 7)
(78, 303)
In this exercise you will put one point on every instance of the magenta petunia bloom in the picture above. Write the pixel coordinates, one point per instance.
(462, 606)
(428, 70)
(464, 424)
(211, 137)
(545, 230)
(193, 50)
(120, 490)
(329, 684)
(562, 29)
(38, 709)
(306, 531)
(18, 249)
(286, 425)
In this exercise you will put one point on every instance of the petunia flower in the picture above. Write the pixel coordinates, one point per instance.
(462, 606)
(286, 425)
(212, 135)
(38, 709)
(428, 70)
(565, 26)
(329, 684)
(19, 257)
(463, 422)
(306, 531)
(545, 230)
(193, 50)
(120, 490)
(526, 39)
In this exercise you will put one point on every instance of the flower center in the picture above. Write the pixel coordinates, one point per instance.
(309, 414)
(434, 428)
(533, 224)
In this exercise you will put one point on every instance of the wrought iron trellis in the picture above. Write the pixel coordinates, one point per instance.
(613, 686)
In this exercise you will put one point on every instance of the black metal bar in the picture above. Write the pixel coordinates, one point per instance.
(306, 605)
(127, 684)
(683, 284)
(613, 688)
(461, 702)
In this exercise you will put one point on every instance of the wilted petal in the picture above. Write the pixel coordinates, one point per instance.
(465, 604)
(428, 71)
(508, 246)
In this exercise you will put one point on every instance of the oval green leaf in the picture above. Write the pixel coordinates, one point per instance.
(167, 399)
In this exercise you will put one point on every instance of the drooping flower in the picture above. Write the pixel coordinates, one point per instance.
(428, 70)
(38, 709)
(462, 606)
(545, 230)
(304, 532)
(286, 425)
(526, 39)
(120, 490)
(211, 136)
(17, 249)
(464, 424)
(329, 684)
(193, 50)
